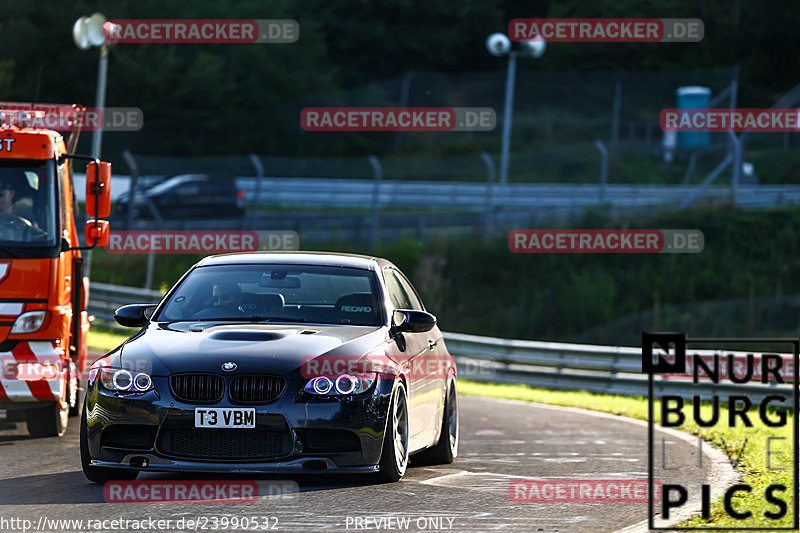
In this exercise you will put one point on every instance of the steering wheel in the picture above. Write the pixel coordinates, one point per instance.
(15, 222)
(17, 225)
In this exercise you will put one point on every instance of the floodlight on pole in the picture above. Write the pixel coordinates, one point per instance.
(498, 44)
(88, 32)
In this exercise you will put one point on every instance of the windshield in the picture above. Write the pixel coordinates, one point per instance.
(279, 293)
(27, 202)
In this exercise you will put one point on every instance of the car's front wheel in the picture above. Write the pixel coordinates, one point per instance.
(394, 459)
(99, 474)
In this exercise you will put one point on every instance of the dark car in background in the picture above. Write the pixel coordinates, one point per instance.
(185, 197)
(274, 362)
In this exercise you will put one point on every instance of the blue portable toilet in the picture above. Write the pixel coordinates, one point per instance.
(694, 97)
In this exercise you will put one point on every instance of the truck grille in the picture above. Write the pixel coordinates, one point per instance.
(225, 443)
(193, 388)
(256, 388)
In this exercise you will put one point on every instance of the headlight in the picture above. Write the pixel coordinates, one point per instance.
(120, 379)
(29, 322)
(341, 385)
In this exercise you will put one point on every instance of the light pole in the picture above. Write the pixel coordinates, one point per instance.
(88, 32)
(498, 44)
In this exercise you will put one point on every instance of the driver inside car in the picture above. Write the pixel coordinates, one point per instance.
(226, 301)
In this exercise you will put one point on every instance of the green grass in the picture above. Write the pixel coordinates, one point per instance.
(105, 340)
(753, 462)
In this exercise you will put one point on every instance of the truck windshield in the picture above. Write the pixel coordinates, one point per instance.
(27, 203)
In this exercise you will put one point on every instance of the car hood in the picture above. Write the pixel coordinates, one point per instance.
(162, 349)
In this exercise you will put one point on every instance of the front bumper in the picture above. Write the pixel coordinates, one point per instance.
(154, 431)
(304, 465)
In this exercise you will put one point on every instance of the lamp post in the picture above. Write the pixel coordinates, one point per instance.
(88, 32)
(498, 44)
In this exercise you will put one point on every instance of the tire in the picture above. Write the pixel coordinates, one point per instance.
(446, 448)
(394, 458)
(47, 421)
(99, 474)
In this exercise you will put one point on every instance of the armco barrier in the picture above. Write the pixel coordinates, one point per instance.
(602, 369)
(550, 365)
(104, 298)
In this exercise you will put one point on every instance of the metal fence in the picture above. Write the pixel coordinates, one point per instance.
(560, 366)
(579, 140)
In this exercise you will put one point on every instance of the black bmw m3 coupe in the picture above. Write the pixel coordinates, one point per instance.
(274, 363)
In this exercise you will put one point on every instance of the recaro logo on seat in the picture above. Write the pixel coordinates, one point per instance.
(356, 309)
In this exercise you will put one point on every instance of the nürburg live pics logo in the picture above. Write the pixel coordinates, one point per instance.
(742, 389)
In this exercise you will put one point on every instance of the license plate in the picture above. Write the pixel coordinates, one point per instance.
(224, 417)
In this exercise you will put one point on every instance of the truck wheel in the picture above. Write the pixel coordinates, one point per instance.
(98, 474)
(47, 421)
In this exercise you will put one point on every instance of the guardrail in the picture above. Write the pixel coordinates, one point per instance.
(550, 365)
(472, 196)
(104, 298)
(601, 369)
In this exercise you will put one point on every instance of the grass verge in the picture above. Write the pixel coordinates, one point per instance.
(753, 442)
(105, 340)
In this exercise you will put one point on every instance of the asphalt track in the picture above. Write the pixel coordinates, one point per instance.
(500, 441)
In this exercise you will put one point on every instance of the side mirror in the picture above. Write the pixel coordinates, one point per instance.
(412, 321)
(134, 315)
(98, 189)
(97, 232)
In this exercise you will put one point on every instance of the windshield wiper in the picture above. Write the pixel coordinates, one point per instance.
(256, 318)
(281, 319)
(217, 319)
(9, 251)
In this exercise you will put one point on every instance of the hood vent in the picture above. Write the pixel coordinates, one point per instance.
(309, 332)
(249, 336)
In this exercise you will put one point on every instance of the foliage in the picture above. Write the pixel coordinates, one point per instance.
(221, 98)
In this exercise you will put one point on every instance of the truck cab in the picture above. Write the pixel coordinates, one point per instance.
(43, 289)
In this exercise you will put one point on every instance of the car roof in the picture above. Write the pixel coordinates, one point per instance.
(297, 258)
